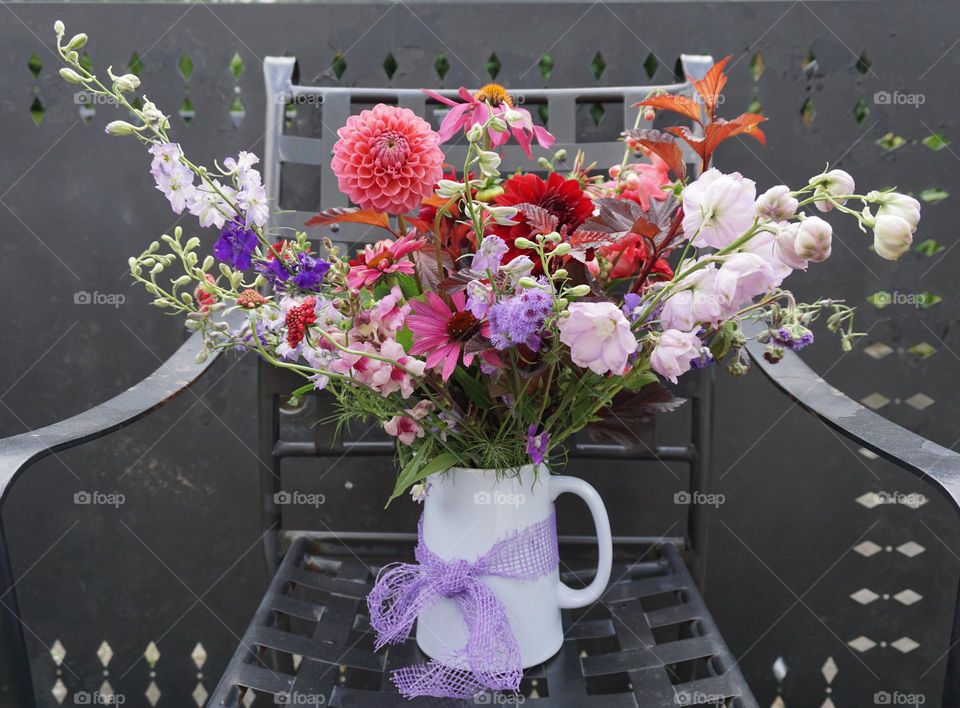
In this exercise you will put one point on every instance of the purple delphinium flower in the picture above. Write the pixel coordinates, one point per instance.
(537, 445)
(309, 271)
(631, 301)
(519, 319)
(488, 256)
(235, 245)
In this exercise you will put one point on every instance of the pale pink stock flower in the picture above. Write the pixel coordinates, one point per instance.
(742, 277)
(599, 337)
(763, 244)
(674, 352)
(696, 303)
(387, 159)
(836, 183)
(814, 239)
(777, 204)
(895, 204)
(892, 236)
(718, 208)
(784, 246)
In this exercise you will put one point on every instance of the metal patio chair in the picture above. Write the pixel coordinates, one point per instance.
(650, 641)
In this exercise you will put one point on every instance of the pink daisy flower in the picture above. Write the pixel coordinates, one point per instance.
(387, 159)
(382, 258)
(439, 332)
(476, 109)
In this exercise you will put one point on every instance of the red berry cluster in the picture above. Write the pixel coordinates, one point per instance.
(298, 319)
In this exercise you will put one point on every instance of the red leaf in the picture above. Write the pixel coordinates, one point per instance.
(353, 215)
(720, 130)
(710, 86)
(685, 134)
(663, 146)
(539, 219)
(419, 224)
(678, 104)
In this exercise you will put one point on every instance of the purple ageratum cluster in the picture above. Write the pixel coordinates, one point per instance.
(790, 339)
(518, 319)
(235, 246)
(303, 272)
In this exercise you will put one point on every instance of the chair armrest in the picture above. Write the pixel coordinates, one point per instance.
(937, 465)
(172, 378)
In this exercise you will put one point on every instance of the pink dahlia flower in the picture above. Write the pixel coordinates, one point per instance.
(382, 258)
(476, 108)
(387, 159)
(599, 337)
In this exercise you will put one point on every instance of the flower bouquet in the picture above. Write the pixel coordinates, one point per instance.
(498, 316)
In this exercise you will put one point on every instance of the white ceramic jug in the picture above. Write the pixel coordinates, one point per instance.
(468, 510)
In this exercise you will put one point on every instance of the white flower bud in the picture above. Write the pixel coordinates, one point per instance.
(528, 282)
(523, 243)
(836, 183)
(560, 274)
(562, 249)
(126, 83)
(892, 236)
(517, 268)
(498, 125)
(59, 28)
(489, 162)
(70, 76)
(120, 127)
(777, 204)
(579, 291)
(895, 204)
(475, 134)
(448, 188)
(560, 155)
(513, 116)
(77, 41)
(502, 215)
(813, 240)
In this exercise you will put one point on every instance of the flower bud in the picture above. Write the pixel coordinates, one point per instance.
(544, 163)
(894, 204)
(777, 204)
(892, 236)
(579, 291)
(502, 215)
(836, 183)
(512, 116)
(560, 155)
(120, 127)
(523, 243)
(70, 76)
(475, 133)
(126, 83)
(448, 188)
(562, 249)
(527, 282)
(59, 28)
(77, 41)
(489, 162)
(560, 274)
(813, 240)
(614, 171)
(498, 125)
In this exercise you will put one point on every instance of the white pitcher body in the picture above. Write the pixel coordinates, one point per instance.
(466, 512)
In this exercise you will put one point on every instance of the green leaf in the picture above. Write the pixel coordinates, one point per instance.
(475, 390)
(408, 285)
(405, 338)
(638, 378)
(295, 395)
(414, 472)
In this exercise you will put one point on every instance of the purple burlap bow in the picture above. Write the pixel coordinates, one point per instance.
(491, 655)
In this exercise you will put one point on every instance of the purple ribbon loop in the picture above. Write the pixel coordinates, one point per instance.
(491, 656)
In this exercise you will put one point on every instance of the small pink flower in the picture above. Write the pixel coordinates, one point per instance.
(674, 353)
(381, 321)
(476, 109)
(382, 258)
(387, 159)
(742, 277)
(599, 337)
(404, 429)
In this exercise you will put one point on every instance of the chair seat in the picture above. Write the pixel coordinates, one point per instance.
(649, 642)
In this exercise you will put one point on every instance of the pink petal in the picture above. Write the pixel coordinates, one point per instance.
(442, 99)
(453, 122)
(450, 364)
(544, 138)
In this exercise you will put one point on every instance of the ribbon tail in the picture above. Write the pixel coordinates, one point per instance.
(399, 595)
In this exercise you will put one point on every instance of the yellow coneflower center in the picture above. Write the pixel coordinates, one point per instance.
(495, 94)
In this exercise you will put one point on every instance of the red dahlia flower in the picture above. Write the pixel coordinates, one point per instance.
(564, 198)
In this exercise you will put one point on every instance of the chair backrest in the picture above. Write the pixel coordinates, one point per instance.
(335, 105)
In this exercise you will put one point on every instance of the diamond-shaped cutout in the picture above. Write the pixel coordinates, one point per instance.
(390, 65)
(186, 110)
(135, 65)
(890, 142)
(248, 699)
(199, 656)
(809, 65)
(152, 654)
(829, 670)
(928, 247)
(911, 549)
(864, 596)
(880, 299)
(923, 350)
(237, 66)
(86, 62)
(598, 65)
(546, 66)
(928, 299)
(878, 350)
(185, 66)
(650, 65)
(869, 500)
(907, 597)
(87, 109)
(807, 112)
(493, 66)
(237, 112)
(932, 195)
(37, 110)
(862, 643)
(919, 401)
(757, 66)
(780, 669)
(861, 110)
(905, 645)
(200, 695)
(338, 65)
(597, 111)
(544, 112)
(867, 548)
(441, 65)
(35, 65)
(106, 692)
(863, 63)
(153, 693)
(59, 691)
(936, 141)
(876, 401)
(105, 653)
(58, 652)
(755, 107)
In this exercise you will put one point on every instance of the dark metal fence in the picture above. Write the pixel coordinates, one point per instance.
(828, 573)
